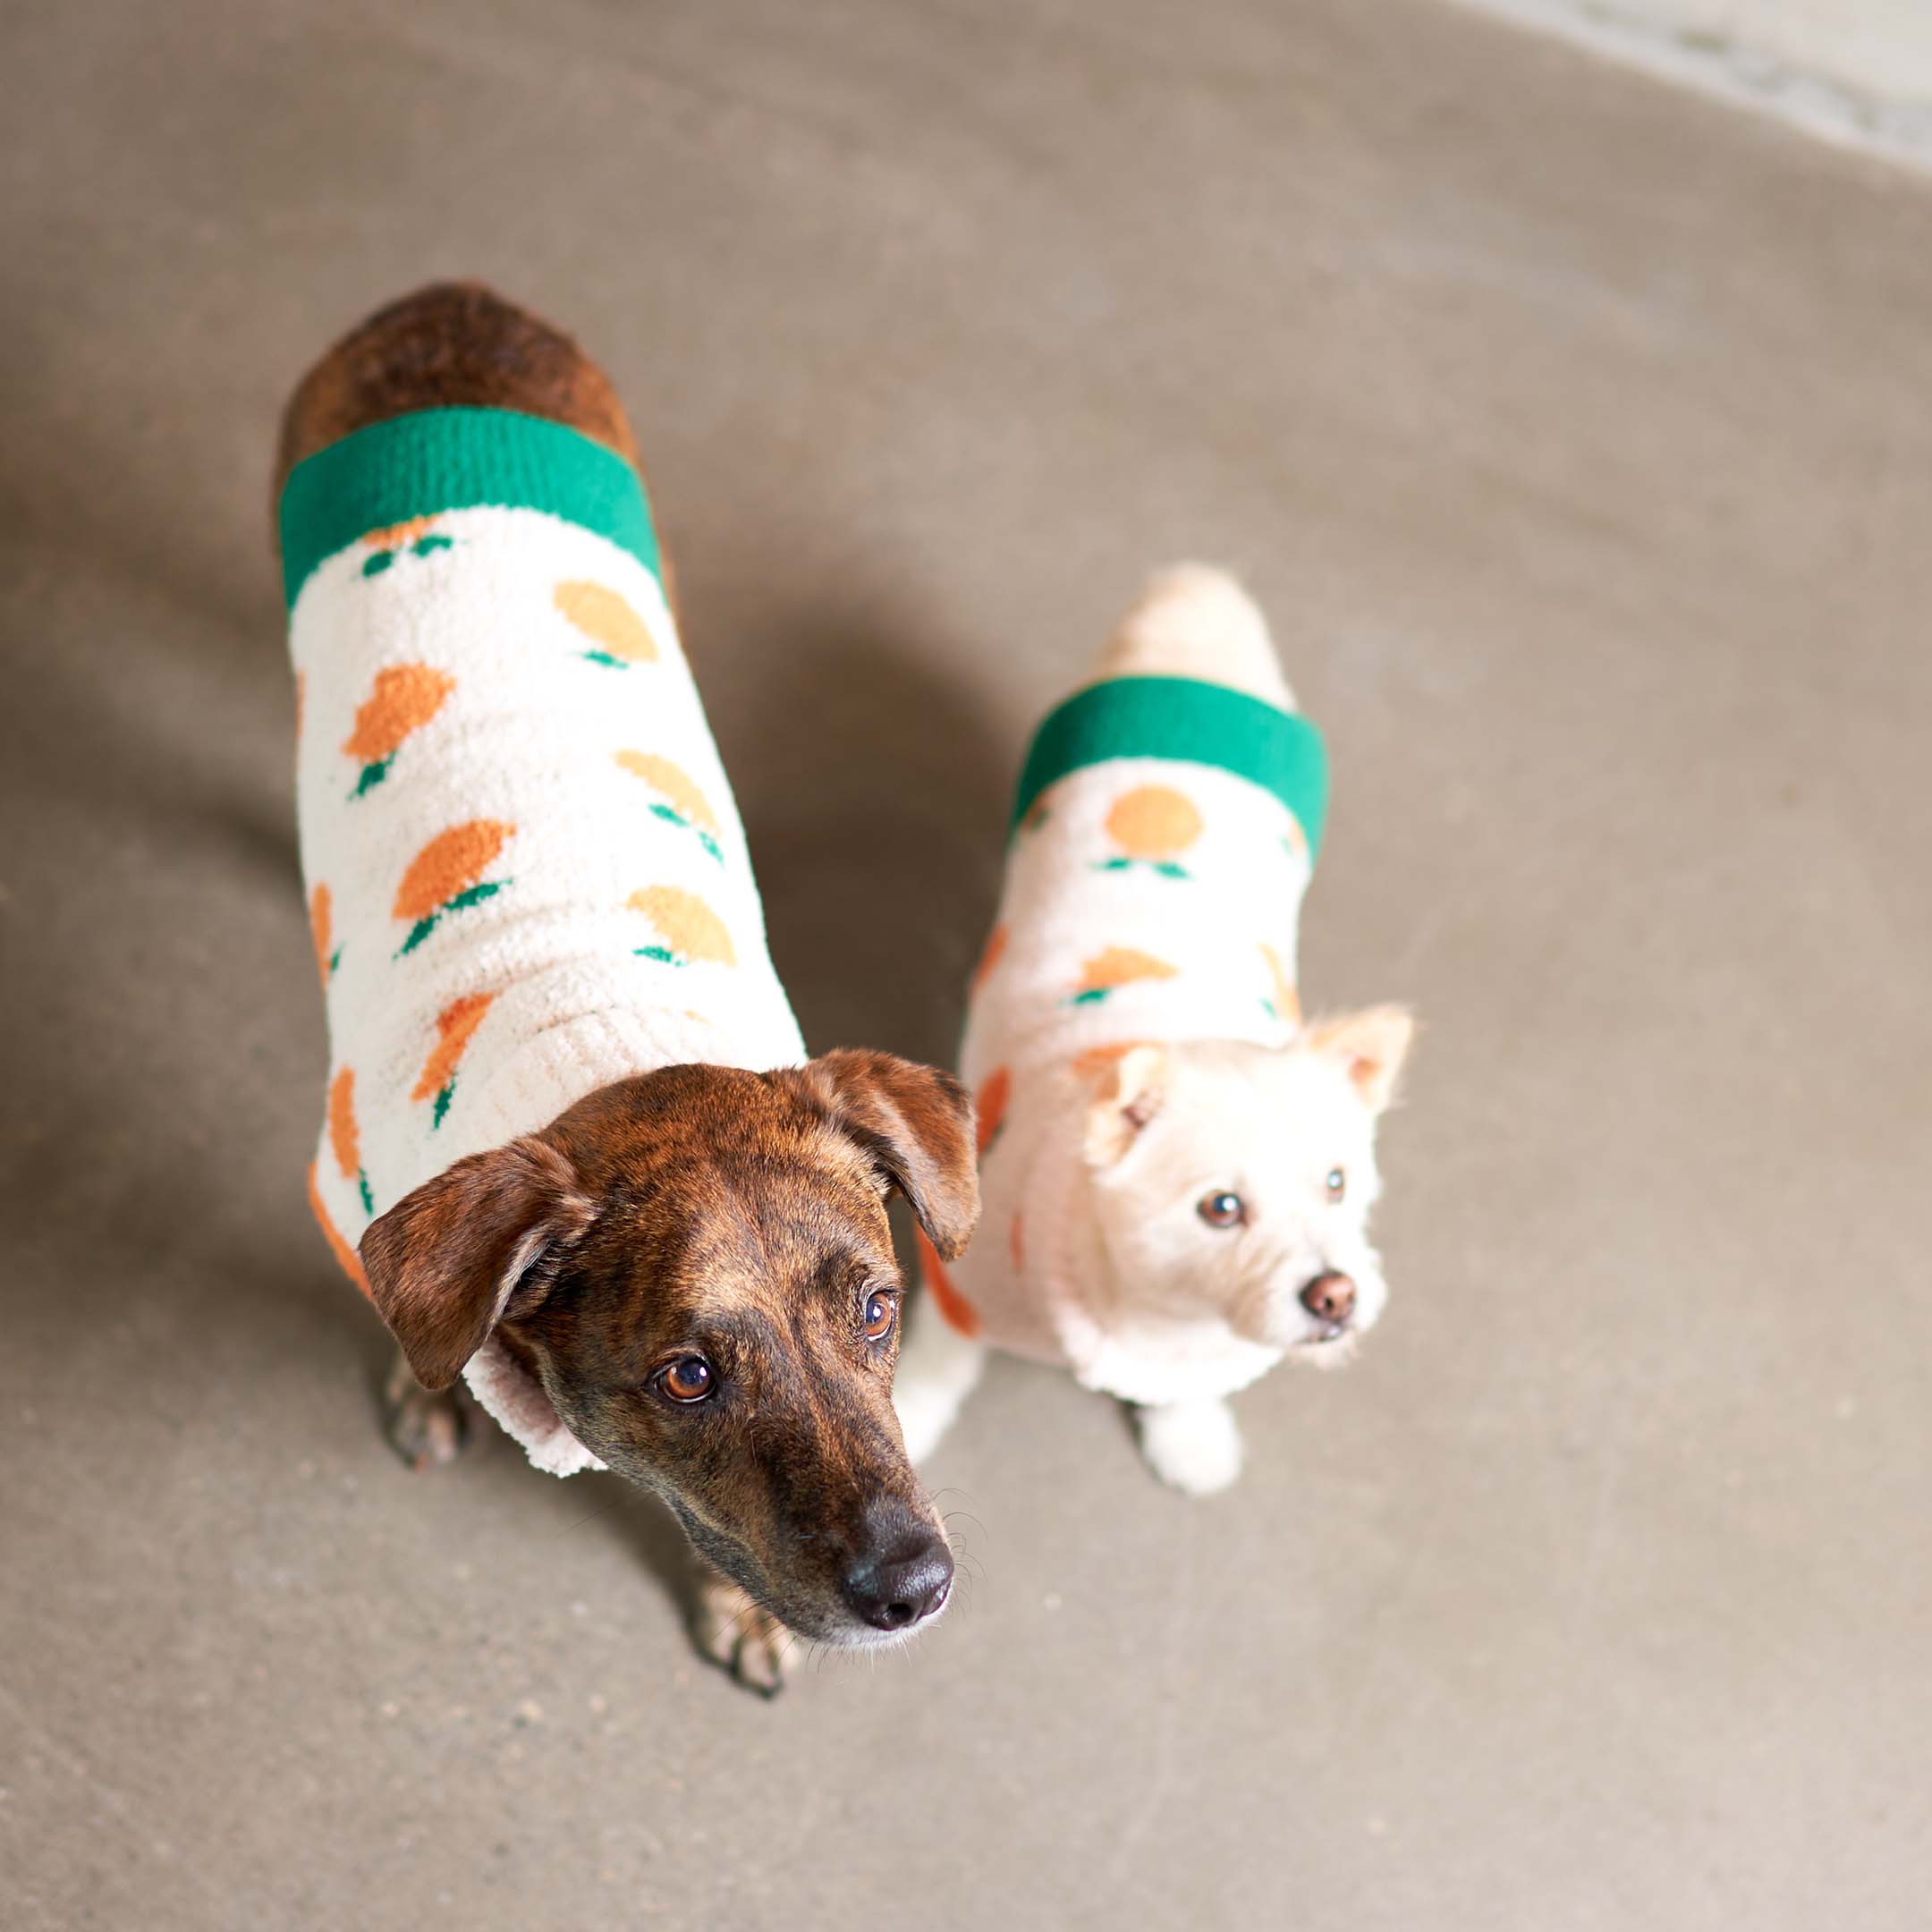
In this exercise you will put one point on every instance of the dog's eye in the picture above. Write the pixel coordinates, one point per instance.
(689, 1379)
(879, 1316)
(1337, 1183)
(1221, 1209)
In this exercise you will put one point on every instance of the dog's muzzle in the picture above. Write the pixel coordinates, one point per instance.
(1330, 1299)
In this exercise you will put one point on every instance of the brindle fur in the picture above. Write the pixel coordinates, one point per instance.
(705, 1211)
(697, 1209)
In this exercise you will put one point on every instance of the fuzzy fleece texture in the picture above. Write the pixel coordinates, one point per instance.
(1165, 830)
(526, 873)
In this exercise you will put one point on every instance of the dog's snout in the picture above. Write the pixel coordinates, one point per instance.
(902, 1575)
(1330, 1297)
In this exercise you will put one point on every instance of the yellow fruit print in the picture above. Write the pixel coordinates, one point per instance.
(345, 1139)
(1107, 972)
(403, 699)
(446, 875)
(1152, 826)
(1286, 1001)
(689, 931)
(619, 636)
(414, 534)
(456, 1026)
(679, 800)
(321, 925)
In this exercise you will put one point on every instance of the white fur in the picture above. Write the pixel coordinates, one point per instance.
(1094, 1253)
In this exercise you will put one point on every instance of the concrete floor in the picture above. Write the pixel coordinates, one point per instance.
(1575, 433)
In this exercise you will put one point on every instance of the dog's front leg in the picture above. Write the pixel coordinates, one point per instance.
(938, 1368)
(1194, 1445)
(425, 1427)
(736, 1633)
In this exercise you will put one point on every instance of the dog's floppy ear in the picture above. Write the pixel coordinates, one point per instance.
(448, 1262)
(1372, 1044)
(916, 1123)
(1132, 1086)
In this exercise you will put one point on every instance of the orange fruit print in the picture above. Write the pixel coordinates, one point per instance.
(346, 1258)
(446, 875)
(1118, 966)
(403, 699)
(456, 1026)
(990, 1103)
(1152, 826)
(389, 542)
(959, 1312)
(345, 1139)
(321, 925)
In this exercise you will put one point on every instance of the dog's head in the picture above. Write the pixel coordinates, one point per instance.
(1238, 1179)
(697, 1266)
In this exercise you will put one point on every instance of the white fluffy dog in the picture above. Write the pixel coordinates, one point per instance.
(1177, 1171)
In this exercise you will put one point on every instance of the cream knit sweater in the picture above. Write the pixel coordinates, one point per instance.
(1163, 834)
(526, 874)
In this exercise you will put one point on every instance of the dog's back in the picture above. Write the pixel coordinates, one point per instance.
(452, 345)
(1193, 621)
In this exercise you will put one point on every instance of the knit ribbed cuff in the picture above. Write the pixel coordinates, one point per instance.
(457, 459)
(1193, 723)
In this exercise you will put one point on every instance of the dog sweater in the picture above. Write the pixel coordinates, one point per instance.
(1164, 834)
(526, 875)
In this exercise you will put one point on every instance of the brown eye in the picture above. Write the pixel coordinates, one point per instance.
(879, 1316)
(1221, 1210)
(689, 1379)
(1337, 1183)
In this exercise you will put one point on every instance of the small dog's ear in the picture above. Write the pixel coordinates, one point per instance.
(448, 1262)
(916, 1123)
(1132, 1086)
(1372, 1044)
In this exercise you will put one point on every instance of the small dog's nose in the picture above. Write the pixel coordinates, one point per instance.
(1329, 1297)
(906, 1575)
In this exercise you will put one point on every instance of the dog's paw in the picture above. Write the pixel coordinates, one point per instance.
(1193, 1445)
(740, 1637)
(425, 1427)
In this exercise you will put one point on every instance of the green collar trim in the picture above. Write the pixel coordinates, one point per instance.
(1193, 723)
(457, 459)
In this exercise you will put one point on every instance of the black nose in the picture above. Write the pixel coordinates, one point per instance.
(1330, 1297)
(903, 1572)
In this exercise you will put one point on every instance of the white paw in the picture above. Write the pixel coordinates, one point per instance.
(1194, 1445)
(937, 1370)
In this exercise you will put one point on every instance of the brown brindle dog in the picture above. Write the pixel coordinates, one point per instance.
(695, 1263)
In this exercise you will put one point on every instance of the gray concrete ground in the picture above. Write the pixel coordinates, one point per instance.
(1574, 432)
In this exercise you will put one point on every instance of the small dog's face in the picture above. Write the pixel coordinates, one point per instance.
(1237, 1180)
(697, 1266)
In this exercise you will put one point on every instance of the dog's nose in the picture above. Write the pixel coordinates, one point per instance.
(903, 1575)
(1329, 1297)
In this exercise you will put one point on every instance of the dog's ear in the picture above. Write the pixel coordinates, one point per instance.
(448, 1262)
(1372, 1044)
(1132, 1086)
(916, 1123)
